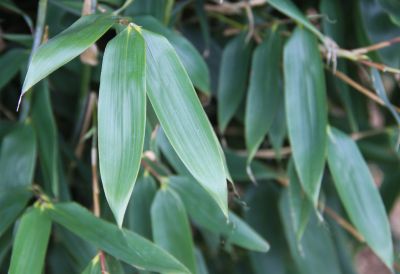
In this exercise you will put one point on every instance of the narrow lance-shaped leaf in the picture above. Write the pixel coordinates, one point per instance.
(264, 91)
(12, 201)
(380, 90)
(10, 64)
(45, 128)
(66, 46)
(315, 243)
(232, 78)
(306, 110)
(183, 119)
(120, 243)
(191, 59)
(359, 194)
(122, 117)
(29, 248)
(17, 157)
(171, 229)
(288, 8)
(204, 212)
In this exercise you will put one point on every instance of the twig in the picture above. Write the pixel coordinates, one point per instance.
(95, 177)
(40, 25)
(377, 46)
(86, 123)
(151, 170)
(360, 88)
(344, 224)
(380, 67)
(233, 8)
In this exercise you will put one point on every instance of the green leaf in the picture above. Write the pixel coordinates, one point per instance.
(359, 194)
(120, 243)
(122, 117)
(66, 46)
(29, 248)
(12, 201)
(204, 212)
(194, 64)
(200, 262)
(8, 4)
(380, 90)
(138, 213)
(300, 207)
(45, 128)
(232, 81)
(393, 8)
(306, 110)
(171, 229)
(17, 157)
(288, 8)
(315, 243)
(183, 119)
(278, 130)
(264, 91)
(10, 63)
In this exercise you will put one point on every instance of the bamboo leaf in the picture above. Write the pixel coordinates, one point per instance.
(171, 229)
(138, 213)
(10, 63)
(315, 243)
(12, 201)
(288, 8)
(359, 195)
(66, 46)
(306, 110)
(183, 119)
(232, 81)
(204, 212)
(120, 243)
(122, 117)
(17, 157)
(30, 243)
(264, 91)
(46, 132)
(194, 64)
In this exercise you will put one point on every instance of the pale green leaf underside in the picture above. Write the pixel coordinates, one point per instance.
(120, 243)
(359, 195)
(66, 46)
(30, 244)
(306, 110)
(122, 117)
(183, 119)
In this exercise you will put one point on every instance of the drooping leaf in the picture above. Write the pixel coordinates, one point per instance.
(17, 157)
(10, 64)
(183, 119)
(277, 132)
(306, 110)
(46, 132)
(8, 4)
(12, 201)
(200, 262)
(393, 8)
(122, 117)
(315, 243)
(300, 207)
(30, 245)
(120, 243)
(288, 8)
(66, 46)
(359, 195)
(138, 213)
(380, 90)
(204, 212)
(264, 90)
(232, 81)
(171, 229)
(191, 59)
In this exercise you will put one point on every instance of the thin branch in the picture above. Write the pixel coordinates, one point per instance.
(86, 123)
(377, 46)
(344, 224)
(370, 94)
(233, 8)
